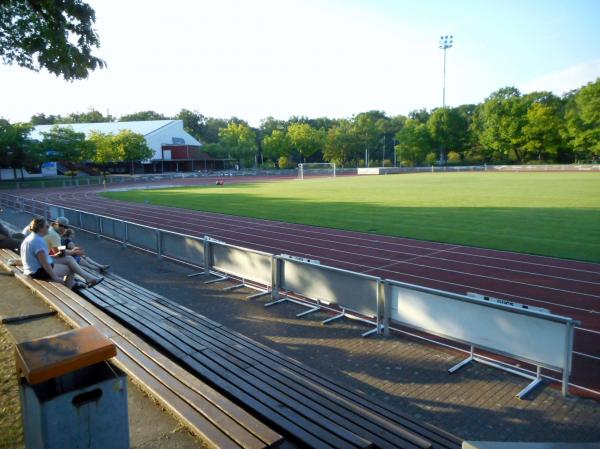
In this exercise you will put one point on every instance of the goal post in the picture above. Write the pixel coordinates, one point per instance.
(316, 169)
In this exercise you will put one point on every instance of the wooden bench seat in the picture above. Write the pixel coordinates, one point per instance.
(318, 411)
(214, 418)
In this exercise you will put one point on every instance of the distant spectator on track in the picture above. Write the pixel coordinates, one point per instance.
(38, 264)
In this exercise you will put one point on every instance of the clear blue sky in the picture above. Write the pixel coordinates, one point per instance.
(257, 58)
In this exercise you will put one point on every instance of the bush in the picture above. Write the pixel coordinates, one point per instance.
(453, 158)
(431, 158)
(284, 162)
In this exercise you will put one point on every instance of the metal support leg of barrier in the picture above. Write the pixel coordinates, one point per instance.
(309, 311)
(535, 380)
(284, 298)
(220, 279)
(259, 294)
(464, 362)
(333, 318)
(196, 274)
(534, 383)
(377, 329)
(234, 287)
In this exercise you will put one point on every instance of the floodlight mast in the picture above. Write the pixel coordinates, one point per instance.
(445, 44)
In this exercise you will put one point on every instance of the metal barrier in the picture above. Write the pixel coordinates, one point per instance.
(350, 291)
(532, 336)
(540, 338)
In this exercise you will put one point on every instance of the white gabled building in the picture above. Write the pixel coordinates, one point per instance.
(158, 133)
(174, 148)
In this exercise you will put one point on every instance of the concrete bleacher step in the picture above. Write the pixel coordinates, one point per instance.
(207, 413)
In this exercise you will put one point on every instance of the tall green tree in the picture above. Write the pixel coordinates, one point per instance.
(17, 151)
(194, 123)
(542, 134)
(55, 35)
(583, 122)
(305, 139)
(65, 144)
(91, 116)
(142, 116)
(240, 141)
(342, 145)
(449, 130)
(366, 131)
(43, 119)
(499, 122)
(132, 147)
(414, 143)
(105, 151)
(276, 145)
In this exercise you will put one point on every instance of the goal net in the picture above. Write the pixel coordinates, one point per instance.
(316, 169)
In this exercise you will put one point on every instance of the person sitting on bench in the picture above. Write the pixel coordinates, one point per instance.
(66, 237)
(66, 255)
(38, 264)
(8, 240)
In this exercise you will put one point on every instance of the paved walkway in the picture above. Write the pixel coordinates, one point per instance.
(477, 403)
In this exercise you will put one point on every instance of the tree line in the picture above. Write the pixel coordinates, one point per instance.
(508, 127)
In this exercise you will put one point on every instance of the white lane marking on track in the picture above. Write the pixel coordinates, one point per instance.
(239, 241)
(409, 260)
(140, 208)
(459, 272)
(269, 223)
(452, 283)
(369, 267)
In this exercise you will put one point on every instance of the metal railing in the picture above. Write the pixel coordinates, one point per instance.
(350, 294)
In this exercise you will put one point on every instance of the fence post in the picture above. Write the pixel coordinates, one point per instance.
(126, 236)
(80, 220)
(158, 244)
(98, 226)
(276, 263)
(386, 303)
(207, 255)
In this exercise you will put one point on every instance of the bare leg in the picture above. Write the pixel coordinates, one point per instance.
(92, 264)
(63, 271)
(74, 267)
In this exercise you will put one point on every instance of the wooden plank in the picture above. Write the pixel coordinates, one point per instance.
(184, 412)
(413, 428)
(281, 415)
(408, 439)
(245, 438)
(318, 424)
(437, 436)
(175, 404)
(139, 317)
(243, 418)
(333, 408)
(210, 412)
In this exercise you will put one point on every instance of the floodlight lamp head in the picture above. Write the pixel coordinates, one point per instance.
(446, 42)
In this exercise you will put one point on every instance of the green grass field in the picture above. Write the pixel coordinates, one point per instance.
(554, 214)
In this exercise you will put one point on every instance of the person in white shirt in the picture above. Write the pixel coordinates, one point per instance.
(38, 264)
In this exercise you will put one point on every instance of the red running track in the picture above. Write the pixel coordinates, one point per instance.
(566, 287)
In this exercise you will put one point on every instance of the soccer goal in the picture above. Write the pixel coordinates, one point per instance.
(316, 169)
